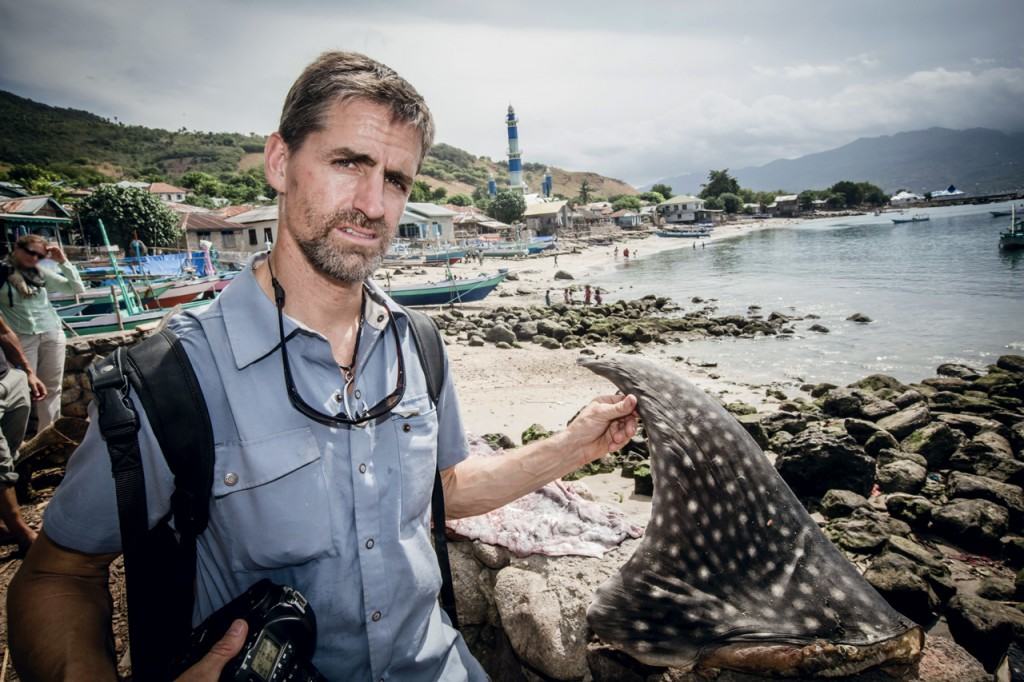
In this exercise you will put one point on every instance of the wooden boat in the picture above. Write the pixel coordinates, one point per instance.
(448, 291)
(186, 290)
(1013, 238)
(693, 233)
(916, 218)
(445, 256)
(87, 325)
(98, 300)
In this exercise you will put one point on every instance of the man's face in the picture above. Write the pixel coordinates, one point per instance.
(345, 188)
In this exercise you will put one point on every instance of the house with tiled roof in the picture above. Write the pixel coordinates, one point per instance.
(168, 192)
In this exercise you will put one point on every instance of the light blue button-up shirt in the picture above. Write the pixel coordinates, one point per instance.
(341, 514)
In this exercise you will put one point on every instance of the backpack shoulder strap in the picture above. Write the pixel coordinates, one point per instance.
(160, 564)
(430, 348)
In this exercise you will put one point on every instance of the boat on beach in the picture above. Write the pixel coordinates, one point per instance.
(693, 233)
(916, 218)
(446, 292)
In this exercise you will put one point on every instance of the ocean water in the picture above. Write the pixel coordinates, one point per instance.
(937, 291)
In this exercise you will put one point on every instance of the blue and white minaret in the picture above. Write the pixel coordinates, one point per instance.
(547, 186)
(492, 187)
(515, 162)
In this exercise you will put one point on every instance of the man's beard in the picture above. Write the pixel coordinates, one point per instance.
(349, 263)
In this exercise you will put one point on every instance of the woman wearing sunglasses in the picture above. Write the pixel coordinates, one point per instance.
(25, 305)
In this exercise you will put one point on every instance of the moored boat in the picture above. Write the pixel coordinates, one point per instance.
(448, 291)
(694, 233)
(916, 218)
(1013, 238)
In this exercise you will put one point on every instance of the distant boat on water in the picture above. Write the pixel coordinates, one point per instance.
(1013, 238)
(448, 291)
(916, 218)
(1008, 212)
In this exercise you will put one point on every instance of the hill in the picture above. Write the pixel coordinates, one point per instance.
(79, 144)
(977, 160)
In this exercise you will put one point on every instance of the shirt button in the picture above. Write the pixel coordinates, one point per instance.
(357, 394)
(407, 427)
(337, 396)
(362, 468)
(230, 478)
(369, 544)
(377, 615)
(380, 318)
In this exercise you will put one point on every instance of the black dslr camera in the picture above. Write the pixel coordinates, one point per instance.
(280, 642)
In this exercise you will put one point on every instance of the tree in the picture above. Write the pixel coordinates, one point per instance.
(125, 210)
(805, 198)
(713, 204)
(460, 200)
(719, 182)
(420, 192)
(438, 194)
(585, 192)
(873, 194)
(630, 202)
(663, 190)
(652, 197)
(202, 183)
(508, 207)
(853, 194)
(835, 200)
(732, 203)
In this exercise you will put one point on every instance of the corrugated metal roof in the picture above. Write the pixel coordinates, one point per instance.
(31, 205)
(256, 215)
(207, 222)
(544, 209)
(680, 199)
(164, 188)
(428, 210)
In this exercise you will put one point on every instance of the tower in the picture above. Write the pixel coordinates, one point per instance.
(547, 187)
(515, 163)
(492, 187)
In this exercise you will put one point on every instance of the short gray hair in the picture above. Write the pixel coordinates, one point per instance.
(340, 76)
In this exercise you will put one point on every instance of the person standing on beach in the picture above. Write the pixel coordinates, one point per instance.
(625, 253)
(616, 253)
(597, 296)
(19, 386)
(586, 295)
(556, 260)
(328, 443)
(25, 304)
(547, 298)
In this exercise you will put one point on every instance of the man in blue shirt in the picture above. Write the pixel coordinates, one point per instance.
(338, 511)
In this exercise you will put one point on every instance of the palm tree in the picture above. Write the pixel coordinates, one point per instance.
(585, 190)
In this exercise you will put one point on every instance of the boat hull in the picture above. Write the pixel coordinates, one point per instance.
(692, 234)
(444, 293)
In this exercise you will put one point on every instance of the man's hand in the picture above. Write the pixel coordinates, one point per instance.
(209, 667)
(603, 426)
(35, 386)
(56, 253)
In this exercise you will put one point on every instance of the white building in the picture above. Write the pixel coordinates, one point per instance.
(168, 192)
(258, 227)
(680, 209)
(427, 221)
(904, 198)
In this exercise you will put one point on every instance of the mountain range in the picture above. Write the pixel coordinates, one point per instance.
(977, 160)
(78, 143)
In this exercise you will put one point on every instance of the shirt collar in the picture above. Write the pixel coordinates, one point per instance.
(250, 316)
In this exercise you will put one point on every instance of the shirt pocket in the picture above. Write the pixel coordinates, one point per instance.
(415, 424)
(271, 501)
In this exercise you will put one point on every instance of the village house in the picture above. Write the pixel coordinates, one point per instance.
(472, 223)
(224, 235)
(601, 207)
(784, 206)
(548, 218)
(167, 192)
(680, 209)
(427, 221)
(626, 219)
(259, 226)
(819, 204)
(11, 190)
(41, 215)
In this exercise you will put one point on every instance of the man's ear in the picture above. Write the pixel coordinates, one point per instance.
(275, 162)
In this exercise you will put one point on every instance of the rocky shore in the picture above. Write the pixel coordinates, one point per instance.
(918, 484)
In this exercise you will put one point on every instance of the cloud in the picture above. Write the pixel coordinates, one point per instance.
(799, 71)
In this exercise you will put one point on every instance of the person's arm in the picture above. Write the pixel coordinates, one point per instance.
(67, 281)
(58, 611)
(15, 355)
(478, 485)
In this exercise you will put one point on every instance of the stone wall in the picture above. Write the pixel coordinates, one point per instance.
(81, 352)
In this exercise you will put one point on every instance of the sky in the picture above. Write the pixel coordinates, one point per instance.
(634, 90)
